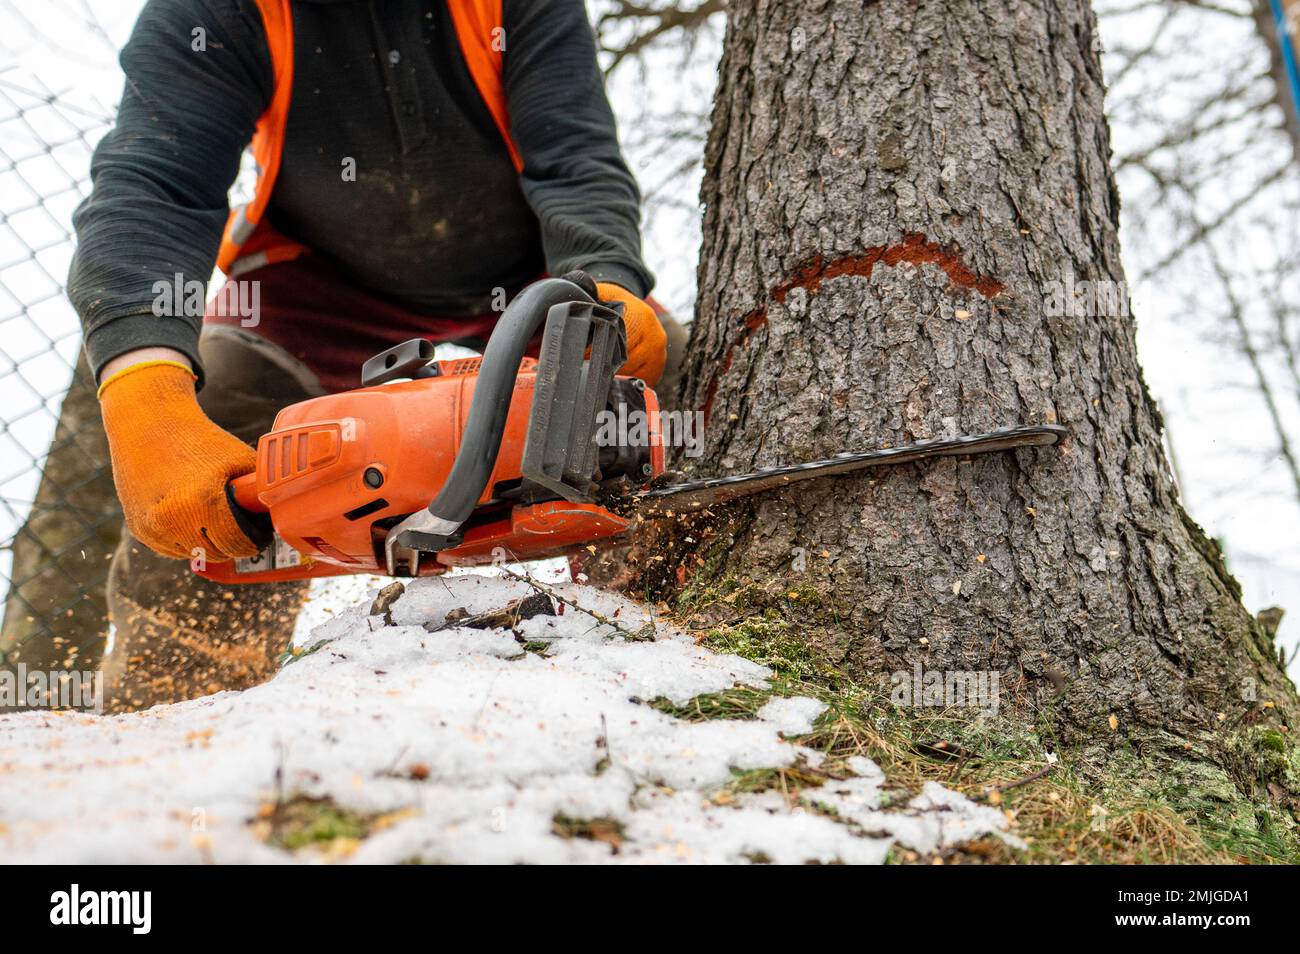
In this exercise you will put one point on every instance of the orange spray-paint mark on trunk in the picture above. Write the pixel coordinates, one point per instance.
(915, 249)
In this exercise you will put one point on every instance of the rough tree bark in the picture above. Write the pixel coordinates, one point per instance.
(891, 188)
(55, 616)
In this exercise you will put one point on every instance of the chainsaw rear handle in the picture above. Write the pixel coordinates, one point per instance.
(242, 493)
(249, 512)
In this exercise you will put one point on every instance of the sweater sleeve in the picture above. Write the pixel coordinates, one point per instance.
(574, 177)
(198, 75)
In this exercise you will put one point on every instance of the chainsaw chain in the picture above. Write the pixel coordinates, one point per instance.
(700, 493)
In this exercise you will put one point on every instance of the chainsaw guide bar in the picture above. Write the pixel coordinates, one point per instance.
(669, 500)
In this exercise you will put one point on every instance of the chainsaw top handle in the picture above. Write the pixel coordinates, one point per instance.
(493, 391)
(431, 529)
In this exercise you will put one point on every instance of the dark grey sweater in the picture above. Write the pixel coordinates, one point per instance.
(437, 216)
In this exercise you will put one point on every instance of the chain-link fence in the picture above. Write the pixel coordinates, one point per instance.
(59, 518)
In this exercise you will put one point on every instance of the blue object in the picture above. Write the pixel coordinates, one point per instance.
(1288, 53)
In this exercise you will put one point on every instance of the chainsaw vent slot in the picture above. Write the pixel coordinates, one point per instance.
(366, 510)
(286, 455)
(461, 366)
(328, 550)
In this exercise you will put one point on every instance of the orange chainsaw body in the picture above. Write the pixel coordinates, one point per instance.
(336, 471)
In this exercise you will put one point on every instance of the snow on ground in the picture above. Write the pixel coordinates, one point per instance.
(460, 746)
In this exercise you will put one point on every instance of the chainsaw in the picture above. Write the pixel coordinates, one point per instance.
(433, 464)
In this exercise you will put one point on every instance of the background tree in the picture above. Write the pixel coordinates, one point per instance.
(891, 192)
(1204, 159)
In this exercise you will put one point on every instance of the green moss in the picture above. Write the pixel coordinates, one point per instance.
(303, 822)
(1272, 740)
(770, 640)
(704, 592)
(802, 594)
(1262, 756)
(1248, 827)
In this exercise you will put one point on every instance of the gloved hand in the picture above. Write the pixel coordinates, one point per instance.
(171, 463)
(647, 345)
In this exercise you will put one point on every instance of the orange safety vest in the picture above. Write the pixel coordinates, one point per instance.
(249, 241)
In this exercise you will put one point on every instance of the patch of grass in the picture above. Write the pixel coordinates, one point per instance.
(606, 830)
(738, 702)
(1069, 805)
(294, 653)
(790, 780)
(1254, 828)
(318, 823)
(770, 641)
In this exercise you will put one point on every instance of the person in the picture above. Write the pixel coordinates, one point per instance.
(419, 162)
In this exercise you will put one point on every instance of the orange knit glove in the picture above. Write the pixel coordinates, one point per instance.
(647, 345)
(171, 463)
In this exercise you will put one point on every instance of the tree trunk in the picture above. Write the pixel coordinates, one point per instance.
(891, 190)
(55, 615)
(1267, 28)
